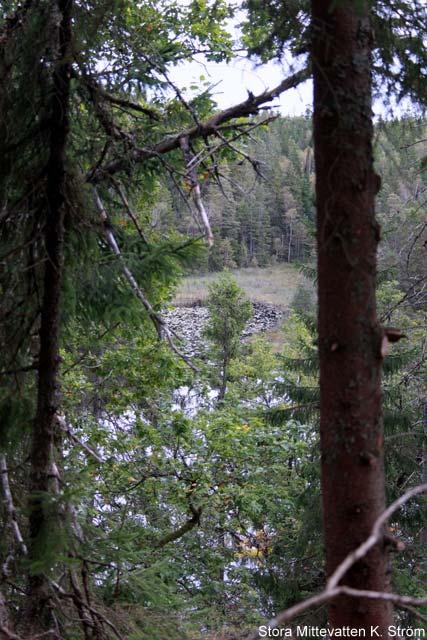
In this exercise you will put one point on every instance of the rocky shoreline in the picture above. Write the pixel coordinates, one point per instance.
(188, 323)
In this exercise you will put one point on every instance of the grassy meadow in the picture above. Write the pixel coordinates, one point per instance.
(274, 285)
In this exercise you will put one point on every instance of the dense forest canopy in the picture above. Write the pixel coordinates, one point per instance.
(147, 493)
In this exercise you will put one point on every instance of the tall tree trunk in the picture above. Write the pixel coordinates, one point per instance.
(349, 334)
(423, 534)
(40, 519)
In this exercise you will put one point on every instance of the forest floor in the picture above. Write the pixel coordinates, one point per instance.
(275, 286)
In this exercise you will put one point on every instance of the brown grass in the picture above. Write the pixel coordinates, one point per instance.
(275, 285)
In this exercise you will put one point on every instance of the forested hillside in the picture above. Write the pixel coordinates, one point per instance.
(151, 492)
(262, 210)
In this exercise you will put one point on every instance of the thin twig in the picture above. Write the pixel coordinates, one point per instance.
(374, 537)
(195, 188)
(131, 214)
(9, 634)
(96, 613)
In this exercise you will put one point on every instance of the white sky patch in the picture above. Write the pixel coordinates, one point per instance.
(234, 80)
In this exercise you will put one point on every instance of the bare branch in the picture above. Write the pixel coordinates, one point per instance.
(227, 142)
(181, 98)
(375, 536)
(160, 324)
(253, 161)
(332, 589)
(96, 613)
(128, 104)
(195, 188)
(67, 429)
(395, 598)
(297, 609)
(9, 634)
(4, 613)
(118, 187)
(10, 507)
(329, 594)
(78, 599)
(248, 107)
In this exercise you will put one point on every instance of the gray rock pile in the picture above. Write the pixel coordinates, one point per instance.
(188, 323)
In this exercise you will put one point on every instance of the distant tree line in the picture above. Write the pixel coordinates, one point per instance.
(263, 213)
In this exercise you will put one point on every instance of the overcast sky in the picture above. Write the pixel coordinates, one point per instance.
(241, 75)
(235, 79)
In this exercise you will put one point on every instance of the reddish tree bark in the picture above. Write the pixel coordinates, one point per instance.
(48, 386)
(349, 333)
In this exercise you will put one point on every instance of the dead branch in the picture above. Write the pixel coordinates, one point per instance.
(126, 104)
(118, 187)
(73, 596)
(4, 613)
(248, 107)
(253, 161)
(227, 142)
(9, 634)
(106, 120)
(329, 594)
(395, 598)
(171, 172)
(332, 590)
(375, 536)
(160, 324)
(195, 188)
(10, 506)
(181, 98)
(87, 623)
(67, 429)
